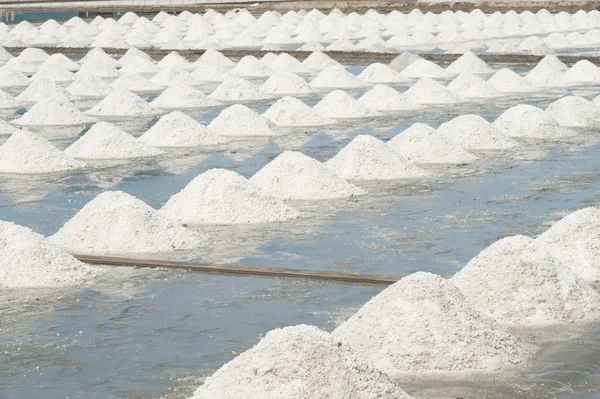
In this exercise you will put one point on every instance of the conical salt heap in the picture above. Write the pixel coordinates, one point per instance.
(8, 101)
(174, 75)
(286, 83)
(525, 120)
(293, 175)
(574, 111)
(519, 283)
(422, 325)
(53, 73)
(11, 78)
(6, 129)
(470, 86)
(89, 86)
(472, 132)
(298, 362)
(339, 104)
(385, 98)
(122, 103)
(174, 60)
(469, 63)
(206, 72)
(180, 96)
(583, 71)
(554, 62)
(400, 63)
(131, 54)
(238, 89)
(428, 91)
(40, 90)
(251, 67)
(425, 69)
(319, 61)
(239, 120)
(139, 65)
(220, 196)
(289, 111)
(118, 223)
(544, 75)
(135, 82)
(54, 111)
(507, 81)
(381, 73)
(179, 130)
(337, 77)
(215, 57)
(286, 63)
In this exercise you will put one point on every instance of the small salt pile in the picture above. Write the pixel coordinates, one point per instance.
(380, 73)
(342, 44)
(181, 97)
(319, 61)
(11, 78)
(583, 71)
(122, 103)
(30, 261)
(574, 111)
(289, 111)
(179, 130)
(98, 68)
(469, 63)
(422, 325)
(238, 89)
(519, 283)
(251, 67)
(8, 101)
(27, 153)
(215, 57)
(368, 158)
(174, 60)
(428, 91)
(503, 47)
(339, 104)
(286, 63)
(311, 46)
(174, 75)
(53, 73)
(554, 62)
(239, 120)
(107, 141)
(293, 175)
(40, 90)
(507, 81)
(544, 75)
(298, 362)
(469, 86)
(32, 54)
(139, 65)
(206, 72)
(385, 98)
(525, 120)
(54, 111)
(337, 77)
(472, 132)
(89, 86)
(400, 63)
(136, 83)
(62, 61)
(6, 129)
(421, 144)
(425, 69)
(286, 83)
(132, 54)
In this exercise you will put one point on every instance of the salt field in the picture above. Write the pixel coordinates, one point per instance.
(209, 138)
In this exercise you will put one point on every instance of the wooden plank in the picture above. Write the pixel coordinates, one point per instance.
(254, 271)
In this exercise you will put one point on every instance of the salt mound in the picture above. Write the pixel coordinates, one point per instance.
(342, 44)
(40, 90)
(116, 222)
(423, 325)
(289, 111)
(425, 69)
(8, 101)
(139, 65)
(507, 81)
(554, 62)
(385, 98)
(239, 120)
(173, 60)
(583, 71)
(311, 46)
(503, 47)
(472, 132)
(122, 103)
(421, 144)
(541, 49)
(403, 60)
(11, 78)
(319, 61)
(286, 83)
(206, 72)
(380, 73)
(339, 104)
(544, 75)
(337, 77)
(99, 69)
(6, 129)
(368, 158)
(55, 111)
(135, 82)
(574, 241)
(53, 73)
(469, 63)
(174, 75)
(132, 54)
(106, 141)
(250, 66)
(89, 86)
(517, 282)
(298, 362)
(525, 120)
(293, 175)
(470, 86)
(27, 153)
(215, 57)
(179, 130)
(286, 63)
(574, 111)
(32, 54)
(30, 261)
(238, 89)
(181, 97)
(428, 91)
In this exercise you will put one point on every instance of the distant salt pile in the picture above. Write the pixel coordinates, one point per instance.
(286, 83)
(293, 175)
(6, 129)
(238, 89)
(206, 72)
(53, 73)
(27, 153)
(179, 130)
(554, 62)
(544, 75)
(368, 158)
(469, 63)
(286, 63)
(339, 104)
(517, 282)
(319, 61)
(30, 261)
(40, 90)
(380, 73)
(311, 46)
(54, 111)
(400, 63)
(583, 71)
(422, 325)
(425, 69)
(96, 66)
(239, 120)
(472, 132)
(342, 44)
(503, 47)
(174, 75)
(337, 77)
(508, 81)
(135, 82)
(122, 103)
(421, 144)
(215, 57)
(385, 98)
(181, 97)
(470, 86)
(8, 101)
(251, 67)
(525, 120)
(107, 141)
(574, 241)
(289, 111)
(89, 86)
(11, 78)
(428, 91)
(303, 362)
(574, 111)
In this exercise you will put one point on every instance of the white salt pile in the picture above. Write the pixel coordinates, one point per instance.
(469, 63)
(525, 120)
(554, 62)
(319, 61)
(470, 86)
(239, 120)
(368, 158)
(215, 57)
(286, 63)
(574, 111)
(421, 144)
(107, 141)
(428, 91)
(380, 73)
(132, 54)
(6, 129)
(339, 104)
(544, 75)
(173, 60)
(116, 222)
(385, 98)
(32, 54)
(174, 75)
(298, 362)
(517, 282)
(181, 97)
(98, 68)
(583, 71)
(293, 175)
(507, 81)
(425, 69)
(472, 132)
(53, 73)
(135, 82)
(11, 78)
(30, 261)
(289, 111)
(54, 111)
(337, 77)
(251, 67)
(403, 60)
(238, 89)
(422, 325)
(27, 153)
(220, 196)
(8, 101)
(89, 86)
(179, 130)
(286, 83)
(122, 103)
(139, 65)
(40, 90)
(206, 72)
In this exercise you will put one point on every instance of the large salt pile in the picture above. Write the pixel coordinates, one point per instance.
(251, 67)
(422, 325)
(339, 104)
(27, 153)
(286, 63)
(8, 101)
(518, 282)
(135, 82)
(30, 261)
(545, 75)
(140, 65)
(54, 111)
(40, 90)
(174, 60)
(89, 86)
(583, 71)
(428, 91)
(385, 98)
(472, 132)
(470, 86)
(425, 69)
(368, 158)
(180, 96)
(574, 111)
(469, 63)
(296, 363)
(289, 111)
(206, 72)
(403, 60)
(220, 196)
(421, 144)
(554, 62)
(238, 89)
(286, 83)
(174, 75)
(293, 175)
(122, 103)
(380, 73)
(116, 222)
(53, 73)
(525, 120)
(337, 77)
(179, 130)
(507, 81)
(215, 57)
(319, 61)
(11, 78)
(239, 120)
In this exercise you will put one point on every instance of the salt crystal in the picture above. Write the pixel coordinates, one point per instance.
(286, 83)
(289, 111)
(11, 78)
(250, 66)
(339, 104)
(574, 111)
(171, 75)
(428, 91)
(525, 120)
(122, 103)
(470, 86)
(286, 63)
(54, 111)
(472, 132)
(583, 71)
(174, 60)
(206, 72)
(182, 97)
(545, 75)
(380, 73)
(319, 61)
(6, 129)
(385, 98)
(425, 69)
(238, 89)
(135, 82)
(239, 120)
(179, 130)
(337, 77)
(139, 65)
(8, 101)
(89, 86)
(507, 81)
(469, 63)
(215, 57)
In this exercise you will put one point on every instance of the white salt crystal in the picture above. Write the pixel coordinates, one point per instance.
(8, 101)
(289, 111)
(339, 104)
(123, 103)
(179, 130)
(215, 57)
(286, 63)
(428, 91)
(172, 75)
(182, 97)
(139, 65)
(380, 73)
(250, 66)
(469, 63)
(238, 89)
(470, 86)
(89, 86)
(385, 98)
(574, 111)
(54, 111)
(525, 120)
(239, 120)
(6, 129)
(583, 71)
(425, 69)
(174, 60)
(337, 77)
(472, 132)
(286, 83)
(135, 82)
(11, 78)
(206, 72)
(319, 61)
(507, 81)
(544, 75)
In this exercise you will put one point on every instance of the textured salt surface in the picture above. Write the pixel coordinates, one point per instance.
(385, 98)
(289, 111)
(574, 111)
(11, 78)
(425, 69)
(403, 60)
(544, 75)
(428, 91)
(174, 75)
(319, 61)
(286, 83)
(251, 67)
(89, 86)
(472, 132)
(179, 130)
(508, 81)
(6, 129)
(206, 72)
(181, 97)
(53, 73)
(286, 63)
(380, 73)
(583, 71)
(469, 63)
(139, 65)
(8, 101)
(40, 90)
(238, 89)
(470, 86)
(216, 58)
(337, 77)
(525, 120)
(339, 104)
(54, 111)
(135, 82)
(239, 120)
(122, 103)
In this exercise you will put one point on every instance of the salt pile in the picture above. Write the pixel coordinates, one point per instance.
(428, 91)
(422, 325)
(293, 175)
(525, 120)
(27, 153)
(132, 54)
(32, 54)
(574, 111)
(286, 63)
(173, 60)
(380, 73)
(40, 90)
(174, 75)
(472, 132)
(238, 89)
(11, 78)
(215, 57)
(554, 62)
(181, 96)
(368, 158)
(339, 104)
(385, 98)
(107, 141)
(286, 83)
(425, 69)
(179, 130)
(403, 60)
(6, 129)
(206, 72)
(99, 69)
(239, 120)
(469, 63)
(116, 222)
(289, 111)
(319, 61)
(470, 86)
(517, 282)
(337, 77)
(544, 75)
(122, 103)
(139, 65)
(421, 144)
(251, 67)
(30, 261)
(135, 82)
(89, 86)
(53, 73)
(55, 111)
(298, 362)
(583, 71)
(8, 101)
(507, 81)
